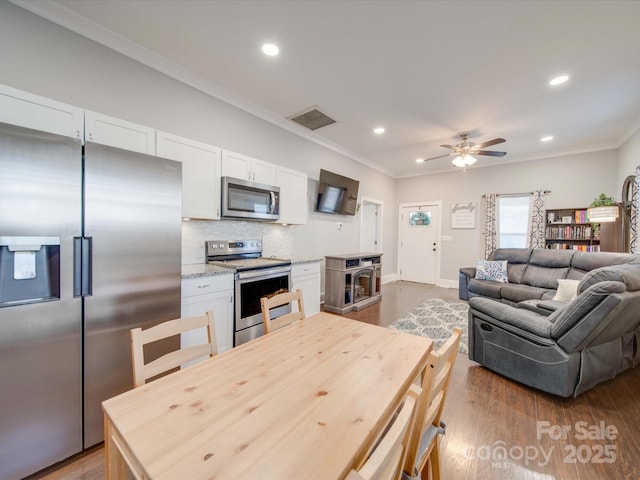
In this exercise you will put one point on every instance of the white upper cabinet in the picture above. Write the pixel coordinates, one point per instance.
(293, 195)
(119, 133)
(241, 166)
(39, 113)
(200, 174)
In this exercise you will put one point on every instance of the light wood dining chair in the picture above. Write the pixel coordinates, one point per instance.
(139, 338)
(387, 458)
(285, 298)
(424, 443)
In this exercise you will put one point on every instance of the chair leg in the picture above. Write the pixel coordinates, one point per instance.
(425, 474)
(434, 460)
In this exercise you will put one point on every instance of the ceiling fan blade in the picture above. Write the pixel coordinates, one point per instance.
(489, 153)
(488, 143)
(449, 146)
(439, 156)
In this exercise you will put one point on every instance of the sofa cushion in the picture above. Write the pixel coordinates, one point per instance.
(544, 277)
(517, 293)
(485, 288)
(517, 261)
(583, 262)
(493, 270)
(551, 258)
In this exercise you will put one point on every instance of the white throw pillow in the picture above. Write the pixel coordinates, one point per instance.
(567, 290)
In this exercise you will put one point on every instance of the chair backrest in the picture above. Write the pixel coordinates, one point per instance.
(139, 338)
(435, 382)
(269, 303)
(387, 458)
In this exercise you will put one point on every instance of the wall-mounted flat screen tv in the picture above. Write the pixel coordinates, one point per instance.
(337, 194)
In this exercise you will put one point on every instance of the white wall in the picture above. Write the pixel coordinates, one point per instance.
(574, 181)
(42, 58)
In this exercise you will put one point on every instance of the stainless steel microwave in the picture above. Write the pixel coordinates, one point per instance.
(246, 200)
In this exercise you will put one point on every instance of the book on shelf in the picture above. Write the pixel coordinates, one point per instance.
(572, 246)
(582, 216)
(572, 232)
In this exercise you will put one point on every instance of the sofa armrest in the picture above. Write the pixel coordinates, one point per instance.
(520, 318)
(464, 276)
(543, 307)
(575, 323)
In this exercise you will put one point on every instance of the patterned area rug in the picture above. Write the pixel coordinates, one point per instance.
(436, 319)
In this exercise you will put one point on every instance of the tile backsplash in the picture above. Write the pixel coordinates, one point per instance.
(277, 240)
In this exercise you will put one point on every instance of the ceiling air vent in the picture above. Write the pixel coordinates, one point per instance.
(313, 119)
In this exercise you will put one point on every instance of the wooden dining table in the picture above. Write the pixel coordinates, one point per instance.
(307, 401)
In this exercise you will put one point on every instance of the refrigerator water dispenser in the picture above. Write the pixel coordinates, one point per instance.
(29, 270)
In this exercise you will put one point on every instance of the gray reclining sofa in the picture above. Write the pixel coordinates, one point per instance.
(560, 347)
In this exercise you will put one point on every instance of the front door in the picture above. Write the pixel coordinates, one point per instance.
(419, 249)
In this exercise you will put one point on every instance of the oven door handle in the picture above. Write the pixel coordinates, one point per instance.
(265, 272)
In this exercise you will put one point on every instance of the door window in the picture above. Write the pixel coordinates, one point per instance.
(419, 218)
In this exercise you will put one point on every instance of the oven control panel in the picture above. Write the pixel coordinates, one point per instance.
(230, 247)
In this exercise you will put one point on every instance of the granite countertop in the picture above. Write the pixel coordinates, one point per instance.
(205, 270)
(298, 260)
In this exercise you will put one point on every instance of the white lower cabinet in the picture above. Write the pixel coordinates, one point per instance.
(306, 277)
(201, 294)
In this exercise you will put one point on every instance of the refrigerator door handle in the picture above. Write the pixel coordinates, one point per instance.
(87, 270)
(77, 266)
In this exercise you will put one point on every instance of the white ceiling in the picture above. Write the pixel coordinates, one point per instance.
(425, 70)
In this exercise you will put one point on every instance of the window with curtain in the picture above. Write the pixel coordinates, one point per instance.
(513, 220)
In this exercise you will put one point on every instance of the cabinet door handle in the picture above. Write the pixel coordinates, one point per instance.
(203, 286)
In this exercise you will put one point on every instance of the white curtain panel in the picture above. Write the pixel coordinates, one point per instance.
(537, 220)
(490, 226)
(634, 223)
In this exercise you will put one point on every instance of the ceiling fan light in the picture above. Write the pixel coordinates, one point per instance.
(459, 162)
(469, 160)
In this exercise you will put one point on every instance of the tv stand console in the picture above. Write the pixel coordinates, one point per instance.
(352, 282)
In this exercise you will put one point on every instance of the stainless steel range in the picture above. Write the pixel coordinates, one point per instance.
(256, 277)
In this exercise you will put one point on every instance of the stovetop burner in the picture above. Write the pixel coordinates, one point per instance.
(240, 255)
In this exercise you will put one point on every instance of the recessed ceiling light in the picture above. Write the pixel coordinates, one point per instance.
(270, 49)
(419, 160)
(378, 130)
(558, 80)
(548, 138)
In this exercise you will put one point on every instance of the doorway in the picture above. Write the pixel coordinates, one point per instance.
(371, 226)
(418, 242)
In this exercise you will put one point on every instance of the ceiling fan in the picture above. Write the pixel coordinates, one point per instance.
(465, 151)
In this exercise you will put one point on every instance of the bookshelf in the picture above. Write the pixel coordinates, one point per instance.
(569, 229)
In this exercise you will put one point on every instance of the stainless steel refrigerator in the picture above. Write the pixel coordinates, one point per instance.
(90, 242)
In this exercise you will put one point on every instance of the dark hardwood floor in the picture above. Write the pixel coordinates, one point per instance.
(498, 429)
